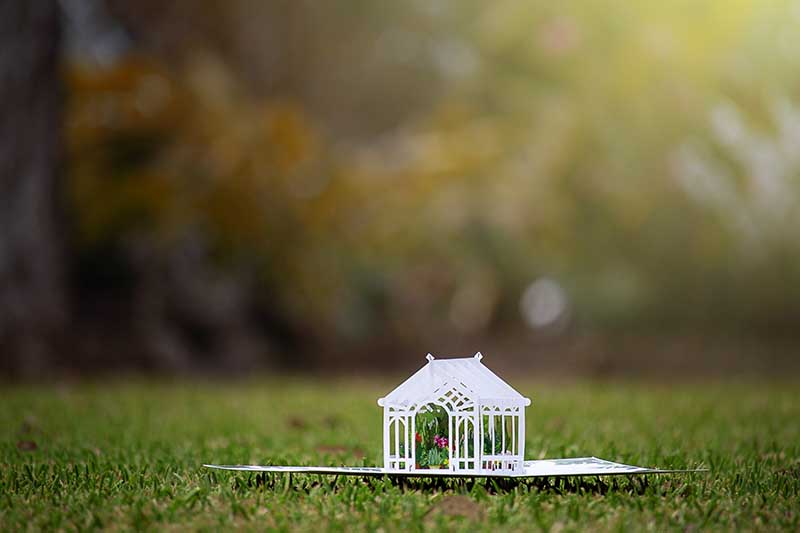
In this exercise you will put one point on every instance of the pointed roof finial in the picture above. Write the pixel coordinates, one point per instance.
(479, 356)
(429, 357)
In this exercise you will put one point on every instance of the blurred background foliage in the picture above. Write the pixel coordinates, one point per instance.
(305, 184)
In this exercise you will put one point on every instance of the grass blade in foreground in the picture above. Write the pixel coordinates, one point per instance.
(126, 455)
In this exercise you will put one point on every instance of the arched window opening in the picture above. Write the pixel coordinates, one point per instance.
(432, 437)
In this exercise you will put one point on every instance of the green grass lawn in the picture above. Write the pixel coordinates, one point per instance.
(128, 455)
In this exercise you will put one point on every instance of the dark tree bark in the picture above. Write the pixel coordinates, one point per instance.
(32, 294)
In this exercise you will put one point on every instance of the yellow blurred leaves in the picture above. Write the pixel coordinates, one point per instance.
(554, 153)
(150, 153)
(291, 136)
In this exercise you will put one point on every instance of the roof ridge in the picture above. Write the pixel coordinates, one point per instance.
(478, 356)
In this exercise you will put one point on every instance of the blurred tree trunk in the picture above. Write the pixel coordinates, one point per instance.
(31, 262)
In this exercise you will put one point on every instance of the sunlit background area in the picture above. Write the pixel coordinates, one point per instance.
(586, 187)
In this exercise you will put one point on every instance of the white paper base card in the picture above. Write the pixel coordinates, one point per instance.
(578, 466)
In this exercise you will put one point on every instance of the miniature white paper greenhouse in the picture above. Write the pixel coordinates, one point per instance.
(482, 415)
(457, 418)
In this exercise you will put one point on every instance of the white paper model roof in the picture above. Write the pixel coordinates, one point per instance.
(468, 374)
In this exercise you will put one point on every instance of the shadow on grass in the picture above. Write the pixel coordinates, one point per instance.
(555, 485)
